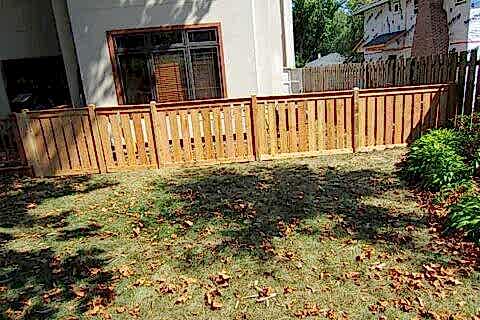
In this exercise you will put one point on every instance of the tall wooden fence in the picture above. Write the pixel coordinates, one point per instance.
(111, 139)
(460, 68)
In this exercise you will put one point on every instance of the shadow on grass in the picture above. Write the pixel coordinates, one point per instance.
(253, 207)
(33, 282)
(18, 195)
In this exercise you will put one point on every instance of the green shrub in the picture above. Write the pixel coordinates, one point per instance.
(469, 126)
(435, 161)
(465, 216)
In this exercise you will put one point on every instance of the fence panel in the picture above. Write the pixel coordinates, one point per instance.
(60, 142)
(206, 133)
(304, 126)
(396, 117)
(126, 137)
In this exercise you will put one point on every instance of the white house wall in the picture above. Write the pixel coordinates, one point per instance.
(27, 30)
(251, 63)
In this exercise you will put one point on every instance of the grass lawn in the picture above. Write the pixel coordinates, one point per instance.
(337, 237)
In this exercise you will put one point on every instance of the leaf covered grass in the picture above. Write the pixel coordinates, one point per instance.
(336, 237)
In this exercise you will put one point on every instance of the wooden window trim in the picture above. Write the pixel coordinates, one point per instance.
(111, 49)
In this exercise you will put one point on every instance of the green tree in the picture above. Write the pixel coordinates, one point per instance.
(325, 26)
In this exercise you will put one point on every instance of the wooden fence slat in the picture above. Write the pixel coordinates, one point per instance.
(407, 118)
(272, 128)
(53, 163)
(239, 132)
(250, 131)
(302, 127)
(117, 139)
(81, 143)
(340, 116)
(230, 145)
(282, 110)
(177, 148)
(161, 136)
(152, 153)
(426, 116)
(370, 136)
(129, 142)
(321, 124)
(57, 128)
(380, 115)
(389, 119)
(139, 138)
(331, 129)
(292, 127)
(207, 131)
(312, 126)
(186, 138)
(219, 146)
(91, 152)
(417, 115)
(197, 136)
(103, 125)
(348, 123)
(398, 123)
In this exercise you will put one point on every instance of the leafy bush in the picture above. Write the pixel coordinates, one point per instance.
(469, 126)
(435, 160)
(465, 216)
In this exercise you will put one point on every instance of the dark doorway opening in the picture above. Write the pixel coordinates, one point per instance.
(36, 83)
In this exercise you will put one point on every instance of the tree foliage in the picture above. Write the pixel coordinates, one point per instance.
(325, 26)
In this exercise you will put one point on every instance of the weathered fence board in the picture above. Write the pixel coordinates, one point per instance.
(461, 68)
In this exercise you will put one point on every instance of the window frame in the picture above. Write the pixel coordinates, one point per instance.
(114, 56)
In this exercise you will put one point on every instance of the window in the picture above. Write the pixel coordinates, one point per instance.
(167, 65)
(396, 6)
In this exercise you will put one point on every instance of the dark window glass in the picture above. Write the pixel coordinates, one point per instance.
(136, 78)
(206, 73)
(130, 42)
(164, 67)
(202, 36)
(167, 39)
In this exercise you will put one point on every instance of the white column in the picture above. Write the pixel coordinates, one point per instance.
(67, 45)
(288, 38)
(4, 104)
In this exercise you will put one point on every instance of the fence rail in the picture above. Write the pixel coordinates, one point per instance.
(112, 139)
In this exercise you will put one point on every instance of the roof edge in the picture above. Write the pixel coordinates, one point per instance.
(369, 6)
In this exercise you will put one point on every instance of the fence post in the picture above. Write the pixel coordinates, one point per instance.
(30, 149)
(254, 128)
(97, 142)
(159, 150)
(355, 116)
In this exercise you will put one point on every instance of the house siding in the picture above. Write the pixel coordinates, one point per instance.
(383, 19)
(251, 63)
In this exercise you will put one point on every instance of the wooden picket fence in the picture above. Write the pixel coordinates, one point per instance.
(460, 68)
(112, 139)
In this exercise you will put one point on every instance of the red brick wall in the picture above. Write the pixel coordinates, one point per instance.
(431, 30)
